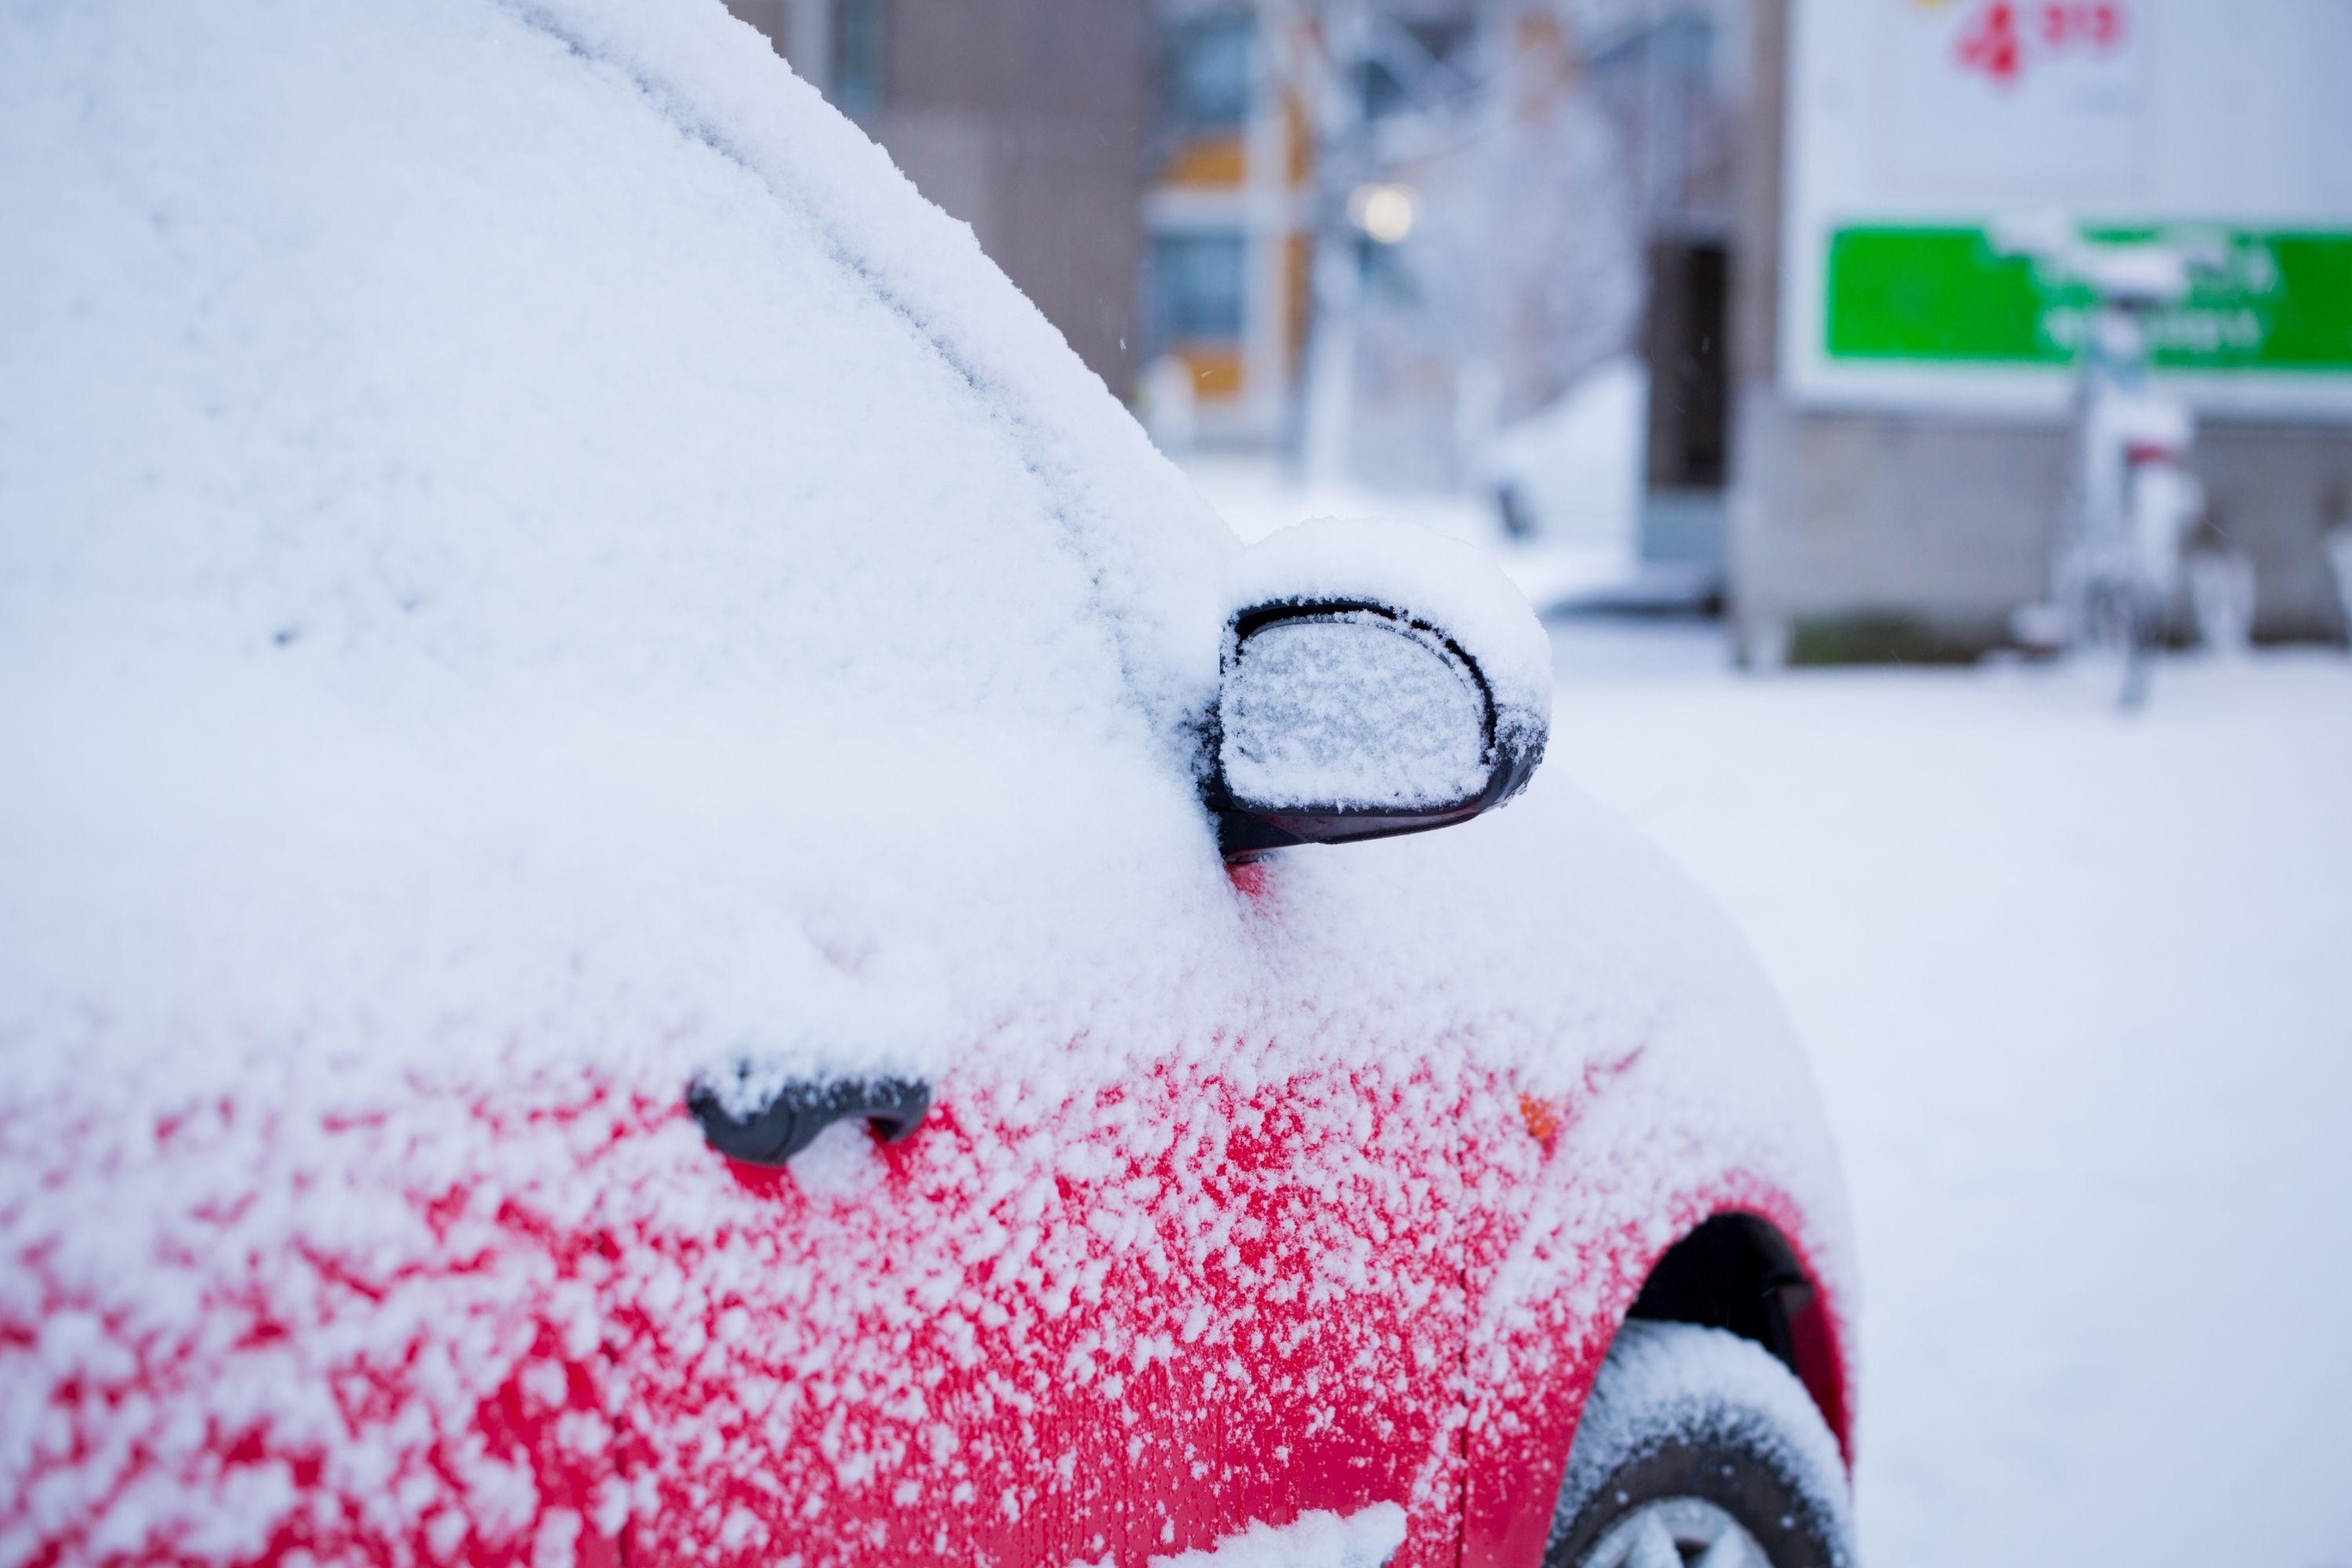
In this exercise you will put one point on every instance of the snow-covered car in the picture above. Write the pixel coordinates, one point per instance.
(643, 904)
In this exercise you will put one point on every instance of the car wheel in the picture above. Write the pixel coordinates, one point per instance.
(1697, 1447)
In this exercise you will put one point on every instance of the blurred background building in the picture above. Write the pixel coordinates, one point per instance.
(1704, 284)
(1385, 233)
(1023, 118)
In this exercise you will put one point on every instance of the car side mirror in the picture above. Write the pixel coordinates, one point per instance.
(1357, 715)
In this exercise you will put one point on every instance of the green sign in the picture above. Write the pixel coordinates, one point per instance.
(2283, 302)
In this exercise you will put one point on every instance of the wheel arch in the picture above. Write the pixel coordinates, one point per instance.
(1738, 1252)
(1737, 1271)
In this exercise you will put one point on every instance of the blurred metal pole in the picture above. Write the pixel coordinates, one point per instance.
(1265, 196)
(1327, 86)
(1656, 198)
(1331, 358)
(808, 35)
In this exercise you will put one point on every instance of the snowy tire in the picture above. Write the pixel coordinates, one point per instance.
(1697, 1447)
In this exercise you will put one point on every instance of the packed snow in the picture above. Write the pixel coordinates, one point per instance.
(1429, 578)
(1699, 1382)
(1417, 570)
(362, 597)
(1315, 1540)
(1554, 565)
(1356, 709)
(2076, 989)
(1575, 468)
(532, 566)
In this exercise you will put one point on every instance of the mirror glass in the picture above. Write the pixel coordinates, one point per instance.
(1351, 710)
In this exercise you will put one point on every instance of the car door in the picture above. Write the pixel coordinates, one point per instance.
(1126, 1321)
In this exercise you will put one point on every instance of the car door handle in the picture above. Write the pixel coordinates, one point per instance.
(801, 1108)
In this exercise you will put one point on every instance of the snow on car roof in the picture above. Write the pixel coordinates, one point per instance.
(1445, 582)
(458, 462)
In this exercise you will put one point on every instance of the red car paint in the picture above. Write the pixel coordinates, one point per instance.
(1121, 1326)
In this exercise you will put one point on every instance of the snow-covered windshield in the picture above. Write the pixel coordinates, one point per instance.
(493, 494)
(561, 381)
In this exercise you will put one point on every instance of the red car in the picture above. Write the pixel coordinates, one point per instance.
(663, 898)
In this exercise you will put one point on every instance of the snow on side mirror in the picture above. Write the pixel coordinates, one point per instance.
(1378, 679)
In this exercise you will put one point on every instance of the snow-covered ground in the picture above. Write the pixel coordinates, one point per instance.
(2079, 992)
(1256, 496)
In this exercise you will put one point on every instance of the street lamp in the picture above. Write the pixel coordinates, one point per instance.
(1385, 213)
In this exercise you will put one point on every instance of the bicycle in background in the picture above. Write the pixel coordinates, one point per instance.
(2115, 571)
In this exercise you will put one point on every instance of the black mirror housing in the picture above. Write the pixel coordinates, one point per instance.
(1490, 752)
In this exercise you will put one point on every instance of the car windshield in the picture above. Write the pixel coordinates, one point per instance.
(551, 382)
(601, 522)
